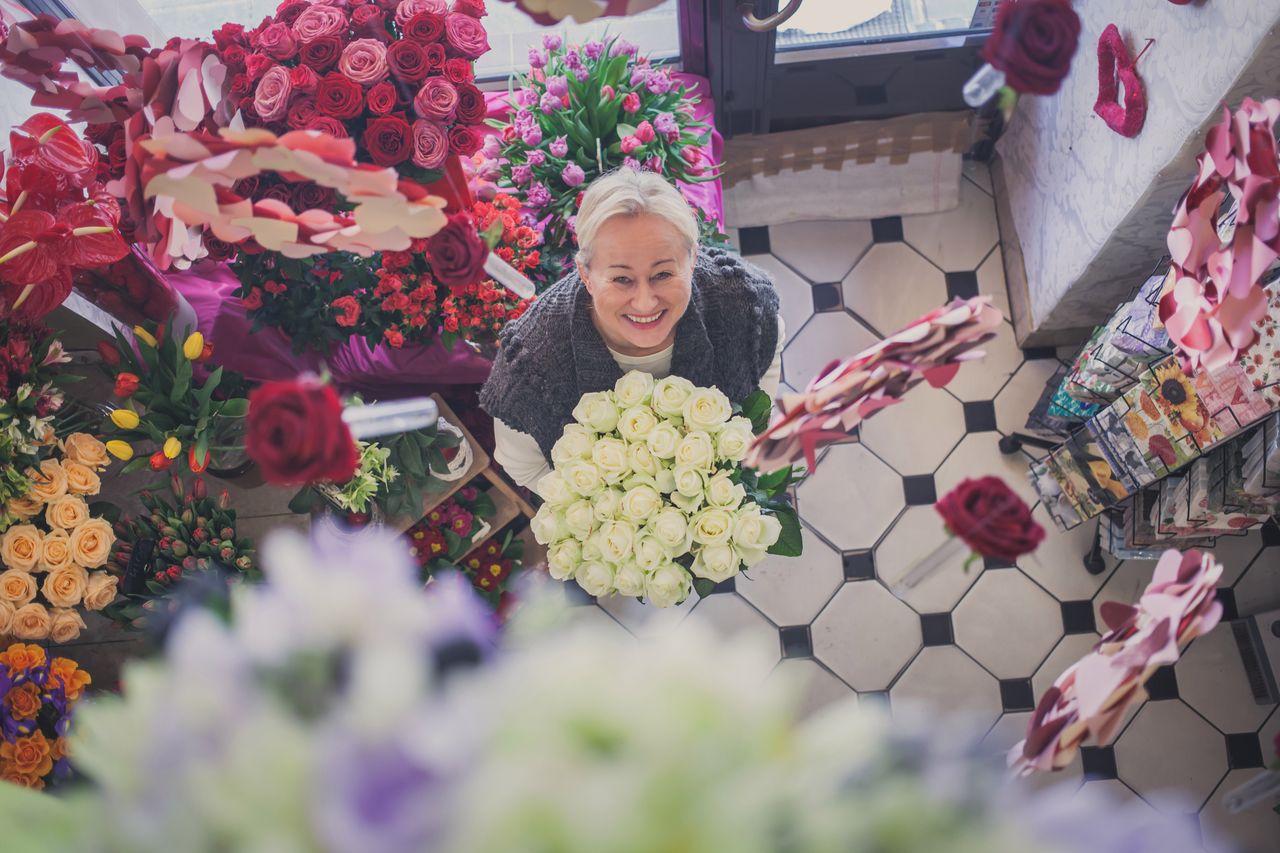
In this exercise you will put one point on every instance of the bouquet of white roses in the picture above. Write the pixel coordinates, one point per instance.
(648, 497)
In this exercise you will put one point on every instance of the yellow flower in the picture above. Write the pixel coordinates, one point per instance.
(172, 447)
(120, 449)
(193, 346)
(124, 418)
(144, 336)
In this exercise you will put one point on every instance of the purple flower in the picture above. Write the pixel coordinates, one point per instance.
(573, 175)
(665, 123)
(639, 75)
(654, 164)
(572, 222)
(660, 83)
(492, 147)
(536, 58)
(536, 157)
(632, 163)
(532, 136)
(581, 74)
(526, 97)
(538, 196)
(559, 147)
(552, 41)
(622, 46)
(522, 174)
(524, 120)
(593, 49)
(550, 104)
(573, 60)
(557, 85)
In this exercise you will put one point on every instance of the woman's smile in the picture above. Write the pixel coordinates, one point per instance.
(645, 321)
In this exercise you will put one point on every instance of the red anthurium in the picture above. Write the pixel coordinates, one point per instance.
(28, 266)
(90, 250)
(56, 147)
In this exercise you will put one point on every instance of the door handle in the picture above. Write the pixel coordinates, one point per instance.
(747, 8)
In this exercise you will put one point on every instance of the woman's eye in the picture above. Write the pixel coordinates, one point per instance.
(662, 276)
(622, 279)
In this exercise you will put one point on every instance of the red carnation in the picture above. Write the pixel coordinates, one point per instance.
(381, 99)
(424, 28)
(393, 337)
(991, 519)
(387, 140)
(321, 54)
(253, 301)
(464, 141)
(471, 104)
(329, 125)
(459, 70)
(339, 97)
(297, 436)
(303, 78)
(408, 61)
(348, 310)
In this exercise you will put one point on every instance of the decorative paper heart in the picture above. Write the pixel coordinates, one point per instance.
(1113, 63)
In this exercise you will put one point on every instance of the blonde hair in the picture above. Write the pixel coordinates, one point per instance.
(628, 192)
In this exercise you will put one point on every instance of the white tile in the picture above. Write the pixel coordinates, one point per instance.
(1113, 791)
(795, 296)
(792, 590)
(982, 379)
(866, 636)
(1258, 591)
(819, 687)
(915, 435)
(1212, 680)
(827, 337)
(978, 455)
(1168, 749)
(980, 174)
(1237, 553)
(991, 282)
(642, 619)
(1267, 736)
(1007, 623)
(1252, 831)
(956, 239)
(731, 618)
(1008, 733)
(1021, 393)
(1125, 586)
(1057, 565)
(257, 527)
(915, 536)
(596, 617)
(943, 679)
(821, 251)
(1070, 649)
(892, 286)
(852, 497)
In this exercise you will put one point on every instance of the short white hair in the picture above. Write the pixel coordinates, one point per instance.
(628, 192)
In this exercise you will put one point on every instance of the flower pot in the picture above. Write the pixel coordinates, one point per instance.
(228, 459)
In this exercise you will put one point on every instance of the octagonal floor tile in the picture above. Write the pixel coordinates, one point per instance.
(642, 619)
(1007, 623)
(594, 616)
(825, 338)
(980, 174)
(1111, 791)
(991, 282)
(956, 239)
(978, 455)
(820, 687)
(729, 616)
(1021, 393)
(943, 679)
(1007, 733)
(892, 286)
(983, 378)
(1237, 553)
(1169, 750)
(1252, 831)
(792, 590)
(918, 532)
(915, 435)
(851, 498)
(1268, 733)
(1212, 680)
(866, 636)
(795, 296)
(821, 251)
(1057, 565)
(1258, 589)
(1125, 586)
(1070, 649)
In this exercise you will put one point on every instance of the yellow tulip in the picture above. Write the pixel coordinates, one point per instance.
(124, 418)
(172, 447)
(193, 346)
(144, 336)
(120, 449)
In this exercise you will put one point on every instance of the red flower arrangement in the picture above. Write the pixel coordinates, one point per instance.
(445, 539)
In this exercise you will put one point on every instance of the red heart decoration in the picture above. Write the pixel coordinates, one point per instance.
(1114, 69)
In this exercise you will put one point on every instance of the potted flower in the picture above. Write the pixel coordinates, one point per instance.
(29, 399)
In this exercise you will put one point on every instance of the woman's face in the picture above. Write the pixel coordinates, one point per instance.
(640, 280)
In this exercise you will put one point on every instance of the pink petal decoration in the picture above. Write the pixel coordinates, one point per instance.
(550, 14)
(847, 392)
(1092, 698)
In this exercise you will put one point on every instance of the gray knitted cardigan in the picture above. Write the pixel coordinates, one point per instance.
(551, 356)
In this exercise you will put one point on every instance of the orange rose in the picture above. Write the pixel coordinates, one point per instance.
(65, 587)
(87, 450)
(65, 625)
(58, 750)
(24, 701)
(91, 543)
(55, 551)
(6, 616)
(24, 507)
(49, 482)
(28, 755)
(67, 512)
(31, 622)
(10, 774)
(101, 590)
(20, 657)
(64, 671)
(20, 547)
(81, 479)
(18, 587)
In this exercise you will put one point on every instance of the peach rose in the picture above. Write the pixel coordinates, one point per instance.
(65, 625)
(49, 482)
(87, 450)
(20, 547)
(24, 507)
(319, 21)
(24, 701)
(364, 61)
(55, 551)
(91, 543)
(28, 755)
(66, 513)
(73, 679)
(81, 479)
(31, 622)
(6, 616)
(17, 586)
(101, 590)
(66, 586)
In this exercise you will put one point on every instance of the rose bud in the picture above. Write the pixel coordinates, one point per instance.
(175, 572)
(189, 563)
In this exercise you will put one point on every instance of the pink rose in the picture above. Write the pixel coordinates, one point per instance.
(277, 42)
(408, 8)
(318, 22)
(430, 144)
(271, 100)
(437, 99)
(364, 61)
(466, 35)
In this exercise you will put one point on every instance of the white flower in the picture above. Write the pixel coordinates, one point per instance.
(636, 423)
(636, 480)
(610, 458)
(697, 450)
(615, 540)
(640, 504)
(650, 552)
(716, 563)
(594, 577)
(713, 526)
(628, 580)
(663, 440)
(753, 530)
(723, 492)
(670, 394)
(667, 585)
(563, 558)
(579, 518)
(665, 480)
(707, 409)
(554, 490)
(597, 411)
(605, 505)
(575, 443)
(641, 460)
(734, 439)
(671, 529)
(689, 482)
(549, 525)
(583, 478)
(590, 552)
(688, 505)
(633, 389)
(750, 556)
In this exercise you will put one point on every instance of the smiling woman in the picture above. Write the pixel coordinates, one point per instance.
(644, 297)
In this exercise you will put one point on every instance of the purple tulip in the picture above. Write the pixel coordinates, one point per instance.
(581, 74)
(538, 196)
(639, 76)
(573, 60)
(550, 104)
(665, 123)
(573, 175)
(536, 157)
(522, 174)
(532, 136)
(593, 49)
(524, 120)
(660, 83)
(492, 147)
(622, 46)
(536, 58)
(632, 163)
(526, 97)
(552, 41)
(559, 147)
(558, 85)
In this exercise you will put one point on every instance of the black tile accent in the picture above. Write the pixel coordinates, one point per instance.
(1271, 533)
(887, 230)
(1077, 617)
(919, 490)
(826, 297)
(1162, 684)
(796, 642)
(989, 563)
(1227, 598)
(870, 96)
(577, 596)
(1099, 762)
(1033, 353)
(755, 240)
(859, 566)
(937, 630)
(979, 416)
(1243, 751)
(962, 285)
(724, 586)
(1016, 694)
(875, 696)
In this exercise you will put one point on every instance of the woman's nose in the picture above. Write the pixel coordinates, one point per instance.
(644, 300)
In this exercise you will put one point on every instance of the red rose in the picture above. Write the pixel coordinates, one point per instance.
(256, 64)
(381, 99)
(424, 28)
(393, 337)
(278, 192)
(301, 113)
(304, 79)
(321, 54)
(126, 384)
(219, 250)
(117, 154)
(991, 519)
(233, 57)
(312, 196)
(437, 99)
(339, 97)
(228, 34)
(288, 11)
(297, 436)
(253, 301)
(408, 61)
(457, 252)
(471, 106)
(331, 126)
(436, 56)
(348, 310)
(277, 42)
(474, 8)
(466, 35)
(1033, 43)
(241, 86)
(370, 22)
(459, 70)
(464, 141)
(386, 138)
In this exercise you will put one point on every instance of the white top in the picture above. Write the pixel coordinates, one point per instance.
(518, 452)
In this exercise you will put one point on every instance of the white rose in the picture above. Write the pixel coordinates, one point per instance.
(594, 577)
(628, 580)
(750, 556)
(583, 478)
(548, 525)
(649, 552)
(734, 440)
(689, 482)
(633, 389)
(614, 539)
(667, 585)
(697, 450)
(688, 505)
(723, 492)
(670, 395)
(580, 519)
(640, 504)
(671, 529)
(597, 411)
(665, 480)
(610, 457)
(636, 423)
(591, 553)
(712, 526)
(753, 530)
(707, 409)
(554, 490)
(637, 480)
(641, 460)
(575, 443)
(663, 440)
(563, 559)
(605, 505)
(716, 563)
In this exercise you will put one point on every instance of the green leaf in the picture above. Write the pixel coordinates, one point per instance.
(236, 407)
(789, 542)
(483, 505)
(181, 382)
(301, 502)
(772, 482)
(205, 394)
(703, 587)
(626, 130)
(137, 463)
(412, 462)
(757, 407)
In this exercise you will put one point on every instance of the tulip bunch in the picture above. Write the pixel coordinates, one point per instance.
(162, 403)
(29, 397)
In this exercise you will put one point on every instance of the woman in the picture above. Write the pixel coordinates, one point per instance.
(644, 297)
